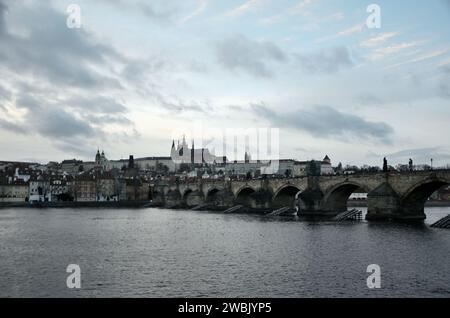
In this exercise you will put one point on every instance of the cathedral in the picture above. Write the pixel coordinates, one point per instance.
(182, 154)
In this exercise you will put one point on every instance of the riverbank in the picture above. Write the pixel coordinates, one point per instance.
(106, 204)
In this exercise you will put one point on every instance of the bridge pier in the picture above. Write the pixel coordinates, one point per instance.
(173, 199)
(193, 198)
(256, 200)
(310, 204)
(220, 199)
(382, 203)
(313, 202)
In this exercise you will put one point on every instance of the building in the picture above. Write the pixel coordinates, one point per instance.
(121, 189)
(101, 162)
(72, 166)
(153, 164)
(13, 190)
(85, 188)
(39, 190)
(137, 190)
(282, 167)
(61, 188)
(243, 168)
(106, 187)
(325, 166)
(21, 175)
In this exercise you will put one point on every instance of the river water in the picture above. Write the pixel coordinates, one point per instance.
(167, 253)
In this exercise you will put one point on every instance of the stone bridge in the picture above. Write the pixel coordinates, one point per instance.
(391, 195)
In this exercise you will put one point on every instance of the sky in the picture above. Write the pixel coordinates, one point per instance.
(137, 74)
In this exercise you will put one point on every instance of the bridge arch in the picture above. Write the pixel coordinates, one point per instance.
(244, 196)
(414, 199)
(187, 192)
(285, 196)
(211, 195)
(192, 198)
(173, 197)
(335, 199)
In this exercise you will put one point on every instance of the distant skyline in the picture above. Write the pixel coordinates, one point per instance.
(138, 73)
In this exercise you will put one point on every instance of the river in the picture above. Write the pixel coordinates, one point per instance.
(175, 253)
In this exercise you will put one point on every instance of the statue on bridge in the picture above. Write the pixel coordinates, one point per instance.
(410, 165)
(385, 165)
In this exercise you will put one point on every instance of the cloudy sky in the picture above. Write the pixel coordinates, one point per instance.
(138, 73)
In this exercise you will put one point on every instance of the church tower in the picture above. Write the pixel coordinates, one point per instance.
(173, 150)
(98, 158)
(192, 153)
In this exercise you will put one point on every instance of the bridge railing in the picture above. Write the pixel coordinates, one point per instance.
(196, 180)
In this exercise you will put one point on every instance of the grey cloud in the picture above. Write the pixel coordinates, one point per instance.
(159, 12)
(155, 14)
(329, 60)
(56, 53)
(76, 116)
(76, 147)
(369, 99)
(445, 69)
(3, 9)
(234, 107)
(5, 95)
(74, 77)
(61, 124)
(444, 90)
(48, 118)
(33, 99)
(138, 71)
(102, 105)
(444, 86)
(28, 101)
(325, 122)
(177, 105)
(419, 155)
(110, 119)
(13, 127)
(68, 126)
(242, 54)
